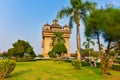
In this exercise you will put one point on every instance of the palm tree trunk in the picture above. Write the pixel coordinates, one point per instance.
(78, 43)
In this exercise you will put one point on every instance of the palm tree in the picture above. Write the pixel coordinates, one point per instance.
(87, 44)
(76, 12)
(58, 44)
(57, 38)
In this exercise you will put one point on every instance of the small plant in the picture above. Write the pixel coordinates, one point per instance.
(6, 67)
(77, 64)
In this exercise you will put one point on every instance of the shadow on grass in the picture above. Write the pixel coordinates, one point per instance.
(19, 73)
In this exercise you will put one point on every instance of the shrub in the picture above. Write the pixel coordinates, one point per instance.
(118, 58)
(52, 54)
(85, 64)
(77, 64)
(117, 61)
(98, 64)
(24, 59)
(88, 64)
(6, 67)
(40, 55)
(116, 67)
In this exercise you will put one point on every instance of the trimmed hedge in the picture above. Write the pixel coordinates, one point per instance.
(118, 58)
(116, 67)
(24, 59)
(117, 61)
(75, 63)
(6, 67)
(85, 64)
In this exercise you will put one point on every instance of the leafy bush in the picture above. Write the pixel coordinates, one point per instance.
(118, 58)
(77, 64)
(52, 54)
(6, 67)
(88, 64)
(98, 64)
(117, 61)
(116, 67)
(85, 64)
(40, 55)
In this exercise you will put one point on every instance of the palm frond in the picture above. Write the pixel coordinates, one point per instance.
(57, 38)
(86, 46)
(88, 39)
(84, 43)
(89, 5)
(86, 8)
(65, 11)
(83, 14)
(76, 3)
(92, 42)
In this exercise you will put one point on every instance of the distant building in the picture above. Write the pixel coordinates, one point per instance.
(48, 33)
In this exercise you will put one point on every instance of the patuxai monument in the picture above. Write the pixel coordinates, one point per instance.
(47, 34)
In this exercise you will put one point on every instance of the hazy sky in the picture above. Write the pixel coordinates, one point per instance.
(24, 19)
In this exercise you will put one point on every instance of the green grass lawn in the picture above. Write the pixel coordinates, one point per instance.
(50, 70)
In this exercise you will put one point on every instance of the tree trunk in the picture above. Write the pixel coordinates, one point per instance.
(99, 47)
(106, 61)
(89, 51)
(105, 64)
(78, 43)
(98, 42)
(59, 58)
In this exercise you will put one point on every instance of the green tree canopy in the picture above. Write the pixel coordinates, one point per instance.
(105, 23)
(59, 48)
(20, 48)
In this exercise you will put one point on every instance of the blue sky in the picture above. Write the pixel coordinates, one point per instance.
(24, 19)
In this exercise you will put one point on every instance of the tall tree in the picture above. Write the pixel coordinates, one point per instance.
(107, 29)
(87, 45)
(20, 48)
(77, 11)
(58, 44)
(93, 25)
